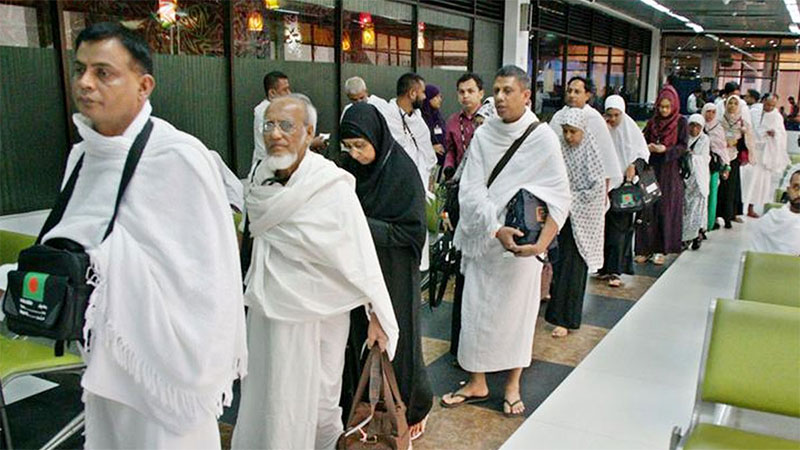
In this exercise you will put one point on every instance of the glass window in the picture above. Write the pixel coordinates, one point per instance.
(549, 86)
(442, 40)
(633, 77)
(577, 60)
(183, 27)
(287, 31)
(378, 40)
(617, 75)
(600, 70)
(25, 24)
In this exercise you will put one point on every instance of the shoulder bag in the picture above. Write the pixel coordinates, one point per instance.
(48, 294)
(627, 198)
(648, 183)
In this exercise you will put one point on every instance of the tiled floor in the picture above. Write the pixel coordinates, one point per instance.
(631, 370)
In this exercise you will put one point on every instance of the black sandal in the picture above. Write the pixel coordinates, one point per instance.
(468, 399)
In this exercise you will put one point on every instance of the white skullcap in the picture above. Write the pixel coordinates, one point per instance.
(698, 119)
(616, 102)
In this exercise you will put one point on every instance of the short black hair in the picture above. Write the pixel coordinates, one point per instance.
(731, 86)
(513, 71)
(271, 80)
(765, 96)
(133, 42)
(407, 81)
(794, 174)
(697, 89)
(470, 76)
(754, 94)
(587, 84)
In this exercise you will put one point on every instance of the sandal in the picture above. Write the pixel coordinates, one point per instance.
(641, 259)
(467, 399)
(658, 259)
(511, 412)
(558, 333)
(423, 422)
(615, 281)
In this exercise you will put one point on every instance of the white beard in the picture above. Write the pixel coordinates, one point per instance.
(280, 162)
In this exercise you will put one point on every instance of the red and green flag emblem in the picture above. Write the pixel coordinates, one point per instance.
(33, 286)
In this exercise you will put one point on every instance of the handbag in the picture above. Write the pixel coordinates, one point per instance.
(685, 162)
(648, 183)
(379, 423)
(744, 154)
(627, 198)
(715, 165)
(48, 293)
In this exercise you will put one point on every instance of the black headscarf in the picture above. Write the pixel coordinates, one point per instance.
(389, 188)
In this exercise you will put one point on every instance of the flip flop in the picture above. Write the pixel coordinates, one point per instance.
(510, 412)
(468, 399)
(424, 423)
(615, 281)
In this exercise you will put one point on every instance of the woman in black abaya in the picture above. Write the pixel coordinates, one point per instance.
(393, 199)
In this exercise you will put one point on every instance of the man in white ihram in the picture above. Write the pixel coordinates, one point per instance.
(166, 316)
(502, 279)
(313, 262)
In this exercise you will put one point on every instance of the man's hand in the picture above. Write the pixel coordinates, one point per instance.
(656, 148)
(529, 250)
(375, 334)
(725, 174)
(630, 172)
(439, 149)
(318, 144)
(771, 133)
(506, 237)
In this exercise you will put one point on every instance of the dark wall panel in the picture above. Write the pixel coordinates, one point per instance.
(33, 136)
(488, 55)
(190, 93)
(316, 80)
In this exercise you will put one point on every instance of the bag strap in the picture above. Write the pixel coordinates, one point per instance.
(362, 385)
(134, 154)
(510, 152)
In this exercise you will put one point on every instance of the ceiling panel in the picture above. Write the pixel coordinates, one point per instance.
(738, 16)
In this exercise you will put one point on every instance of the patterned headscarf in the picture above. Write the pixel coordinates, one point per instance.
(587, 183)
(665, 129)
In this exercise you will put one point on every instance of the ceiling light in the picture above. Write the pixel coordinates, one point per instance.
(661, 8)
(694, 47)
(771, 42)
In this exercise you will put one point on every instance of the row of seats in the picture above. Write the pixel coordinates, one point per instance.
(748, 392)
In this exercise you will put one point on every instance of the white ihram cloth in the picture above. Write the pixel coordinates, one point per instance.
(629, 142)
(373, 100)
(234, 189)
(770, 161)
(599, 128)
(587, 184)
(698, 185)
(777, 231)
(259, 148)
(501, 292)
(166, 316)
(413, 134)
(313, 262)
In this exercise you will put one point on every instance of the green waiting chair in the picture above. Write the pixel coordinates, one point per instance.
(778, 195)
(750, 361)
(20, 356)
(795, 158)
(769, 278)
(772, 205)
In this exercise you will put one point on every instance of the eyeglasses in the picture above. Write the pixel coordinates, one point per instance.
(352, 148)
(286, 126)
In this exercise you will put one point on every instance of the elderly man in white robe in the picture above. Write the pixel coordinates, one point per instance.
(166, 318)
(630, 145)
(355, 88)
(769, 160)
(502, 279)
(778, 231)
(313, 262)
(697, 185)
(579, 92)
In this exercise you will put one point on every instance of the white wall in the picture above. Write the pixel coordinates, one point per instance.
(654, 75)
(515, 42)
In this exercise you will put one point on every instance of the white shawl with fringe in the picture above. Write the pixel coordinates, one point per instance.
(313, 255)
(537, 166)
(166, 315)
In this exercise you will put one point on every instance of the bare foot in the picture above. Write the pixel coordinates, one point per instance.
(469, 393)
(418, 429)
(559, 332)
(641, 259)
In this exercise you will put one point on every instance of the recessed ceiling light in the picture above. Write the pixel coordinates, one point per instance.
(694, 47)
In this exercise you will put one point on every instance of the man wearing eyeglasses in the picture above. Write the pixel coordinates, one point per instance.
(313, 262)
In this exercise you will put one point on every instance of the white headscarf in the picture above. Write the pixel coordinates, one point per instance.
(628, 138)
(587, 184)
(699, 146)
(716, 135)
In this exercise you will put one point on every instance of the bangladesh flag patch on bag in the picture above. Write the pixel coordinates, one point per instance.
(33, 286)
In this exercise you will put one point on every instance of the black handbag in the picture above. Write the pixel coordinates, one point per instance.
(627, 198)
(648, 183)
(48, 293)
(715, 165)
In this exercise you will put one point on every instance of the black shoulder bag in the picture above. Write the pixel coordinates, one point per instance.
(524, 211)
(48, 294)
(648, 182)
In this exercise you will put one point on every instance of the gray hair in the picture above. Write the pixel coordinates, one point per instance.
(513, 71)
(354, 85)
(308, 107)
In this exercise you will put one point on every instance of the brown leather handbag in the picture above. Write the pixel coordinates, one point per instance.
(379, 423)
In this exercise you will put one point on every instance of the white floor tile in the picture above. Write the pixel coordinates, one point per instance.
(551, 437)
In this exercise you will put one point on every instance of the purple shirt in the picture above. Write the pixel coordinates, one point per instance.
(460, 128)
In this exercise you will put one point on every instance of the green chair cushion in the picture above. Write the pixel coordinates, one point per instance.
(753, 357)
(25, 356)
(771, 278)
(11, 244)
(795, 158)
(714, 437)
(772, 205)
(779, 194)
